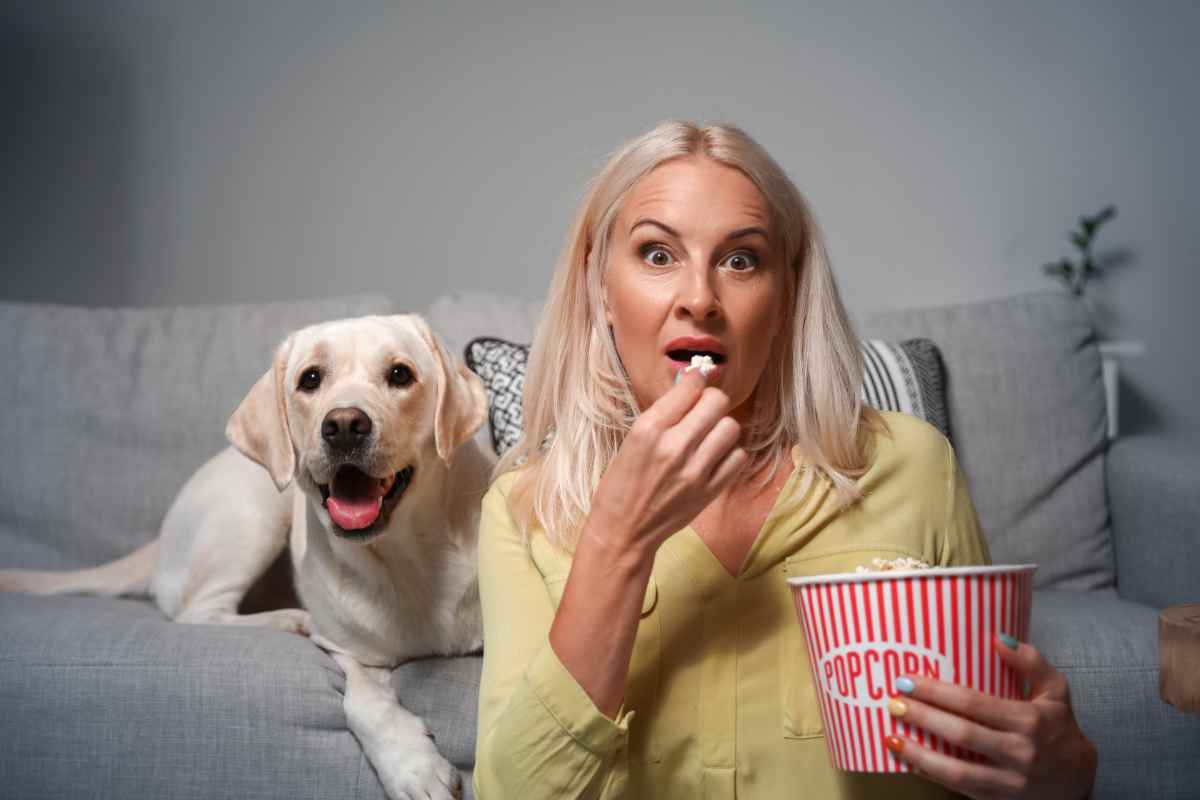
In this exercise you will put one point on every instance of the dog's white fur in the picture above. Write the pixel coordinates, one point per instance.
(408, 590)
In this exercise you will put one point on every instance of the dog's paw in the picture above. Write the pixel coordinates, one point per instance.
(420, 773)
(289, 620)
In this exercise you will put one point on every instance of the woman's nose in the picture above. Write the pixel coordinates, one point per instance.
(697, 296)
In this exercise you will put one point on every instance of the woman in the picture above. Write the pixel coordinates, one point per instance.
(639, 634)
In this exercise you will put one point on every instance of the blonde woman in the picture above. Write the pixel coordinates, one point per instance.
(639, 634)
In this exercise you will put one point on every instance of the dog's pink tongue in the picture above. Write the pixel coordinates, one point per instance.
(352, 514)
(356, 499)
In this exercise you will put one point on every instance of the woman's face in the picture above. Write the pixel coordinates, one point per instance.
(694, 267)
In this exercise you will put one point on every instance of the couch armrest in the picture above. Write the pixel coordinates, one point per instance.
(1154, 498)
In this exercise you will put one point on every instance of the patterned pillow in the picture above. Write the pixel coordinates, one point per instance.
(897, 376)
(906, 376)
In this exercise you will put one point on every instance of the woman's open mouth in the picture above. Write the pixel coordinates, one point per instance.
(682, 359)
(358, 503)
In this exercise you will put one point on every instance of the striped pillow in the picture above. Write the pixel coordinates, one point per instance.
(897, 376)
(908, 377)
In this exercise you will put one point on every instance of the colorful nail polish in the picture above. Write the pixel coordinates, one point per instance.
(897, 708)
(1009, 641)
(678, 375)
(905, 685)
(894, 743)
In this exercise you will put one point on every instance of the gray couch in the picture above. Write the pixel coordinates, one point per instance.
(106, 412)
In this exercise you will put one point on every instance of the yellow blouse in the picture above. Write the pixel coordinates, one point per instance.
(719, 701)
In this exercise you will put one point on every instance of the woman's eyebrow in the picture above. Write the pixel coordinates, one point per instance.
(656, 223)
(739, 233)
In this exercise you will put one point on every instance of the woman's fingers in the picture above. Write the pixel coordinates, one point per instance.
(726, 471)
(1044, 680)
(718, 456)
(669, 409)
(709, 409)
(965, 777)
(995, 712)
(1002, 747)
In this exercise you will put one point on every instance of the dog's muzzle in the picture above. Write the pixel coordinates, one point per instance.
(357, 502)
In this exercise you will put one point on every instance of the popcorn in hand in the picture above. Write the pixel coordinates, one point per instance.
(703, 363)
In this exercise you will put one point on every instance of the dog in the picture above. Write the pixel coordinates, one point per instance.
(354, 450)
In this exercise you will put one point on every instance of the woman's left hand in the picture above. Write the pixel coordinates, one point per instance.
(1034, 748)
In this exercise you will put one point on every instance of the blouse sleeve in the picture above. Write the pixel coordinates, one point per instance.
(962, 542)
(539, 734)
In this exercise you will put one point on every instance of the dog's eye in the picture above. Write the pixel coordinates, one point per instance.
(400, 376)
(310, 379)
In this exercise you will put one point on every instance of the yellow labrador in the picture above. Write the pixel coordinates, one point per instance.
(372, 479)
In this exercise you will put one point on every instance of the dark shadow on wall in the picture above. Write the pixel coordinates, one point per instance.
(67, 160)
(1138, 413)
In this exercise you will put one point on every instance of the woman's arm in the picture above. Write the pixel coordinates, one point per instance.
(539, 735)
(679, 454)
(554, 680)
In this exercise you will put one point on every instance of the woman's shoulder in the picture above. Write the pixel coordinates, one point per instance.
(502, 484)
(906, 448)
(908, 436)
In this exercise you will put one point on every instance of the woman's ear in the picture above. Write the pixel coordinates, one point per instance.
(259, 426)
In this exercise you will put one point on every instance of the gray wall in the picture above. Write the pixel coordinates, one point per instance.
(168, 153)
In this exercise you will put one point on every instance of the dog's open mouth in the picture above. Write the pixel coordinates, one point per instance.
(356, 501)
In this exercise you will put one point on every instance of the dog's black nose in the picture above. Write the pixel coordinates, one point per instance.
(345, 428)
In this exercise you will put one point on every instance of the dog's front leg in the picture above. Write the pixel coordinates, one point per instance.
(395, 740)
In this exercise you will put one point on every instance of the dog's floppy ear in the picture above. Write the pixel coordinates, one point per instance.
(259, 426)
(461, 400)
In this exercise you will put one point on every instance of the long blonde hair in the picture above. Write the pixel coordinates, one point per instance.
(578, 405)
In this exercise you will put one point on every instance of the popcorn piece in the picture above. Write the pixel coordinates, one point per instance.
(900, 563)
(703, 363)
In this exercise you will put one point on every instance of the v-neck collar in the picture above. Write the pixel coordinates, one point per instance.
(774, 541)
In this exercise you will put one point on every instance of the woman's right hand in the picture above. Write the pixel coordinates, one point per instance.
(678, 455)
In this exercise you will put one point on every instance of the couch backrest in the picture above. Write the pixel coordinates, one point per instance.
(107, 412)
(1027, 416)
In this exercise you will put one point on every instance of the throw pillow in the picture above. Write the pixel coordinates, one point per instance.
(897, 376)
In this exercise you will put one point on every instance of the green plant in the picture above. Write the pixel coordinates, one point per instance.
(1076, 275)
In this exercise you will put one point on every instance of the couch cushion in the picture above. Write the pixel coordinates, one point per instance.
(107, 412)
(106, 698)
(1107, 648)
(1027, 410)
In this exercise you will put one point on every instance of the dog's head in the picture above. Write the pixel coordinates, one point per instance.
(356, 411)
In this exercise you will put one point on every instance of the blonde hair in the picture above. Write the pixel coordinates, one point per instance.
(578, 405)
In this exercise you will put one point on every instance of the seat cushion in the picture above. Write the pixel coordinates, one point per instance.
(106, 698)
(1108, 649)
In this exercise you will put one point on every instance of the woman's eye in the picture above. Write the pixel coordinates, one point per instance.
(742, 262)
(400, 376)
(310, 379)
(656, 256)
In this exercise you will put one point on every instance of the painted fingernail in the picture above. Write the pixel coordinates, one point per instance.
(905, 685)
(894, 743)
(1009, 641)
(678, 375)
(897, 708)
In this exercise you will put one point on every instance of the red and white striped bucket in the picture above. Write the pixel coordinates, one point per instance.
(866, 629)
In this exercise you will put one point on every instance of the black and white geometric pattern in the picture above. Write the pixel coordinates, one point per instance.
(907, 377)
(501, 365)
(897, 376)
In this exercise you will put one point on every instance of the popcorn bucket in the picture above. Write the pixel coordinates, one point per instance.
(866, 629)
